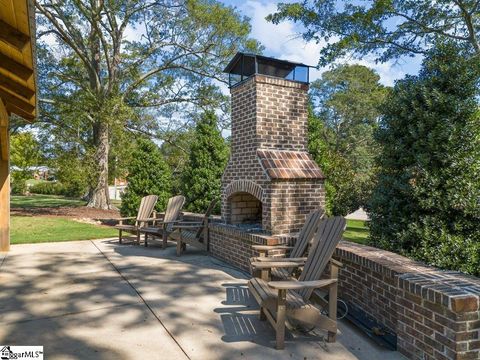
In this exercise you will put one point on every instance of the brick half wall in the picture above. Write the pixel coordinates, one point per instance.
(435, 314)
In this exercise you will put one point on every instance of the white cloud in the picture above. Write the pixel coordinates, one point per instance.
(134, 33)
(282, 40)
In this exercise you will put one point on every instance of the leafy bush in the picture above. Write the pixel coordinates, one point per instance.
(201, 179)
(72, 174)
(427, 200)
(149, 174)
(18, 185)
(48, 188)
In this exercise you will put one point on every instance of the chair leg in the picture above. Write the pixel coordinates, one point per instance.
(262, 316)
(280, 321)
(146, 240)
(332, 302)
(265, 274)
(179, 247)
(164, 236)
(119, 236)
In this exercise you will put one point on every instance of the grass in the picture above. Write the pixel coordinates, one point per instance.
(36, 229)
(38, 201)
(26, 229)
(356, 231)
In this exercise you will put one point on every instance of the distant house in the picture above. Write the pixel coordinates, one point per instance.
(42, 172)
(38, 172)
(116, 190)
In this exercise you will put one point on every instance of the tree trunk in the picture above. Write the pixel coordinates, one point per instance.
(98, 195)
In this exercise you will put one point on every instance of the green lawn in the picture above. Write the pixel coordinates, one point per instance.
(38, 201)
(356, 231)
(33, 229)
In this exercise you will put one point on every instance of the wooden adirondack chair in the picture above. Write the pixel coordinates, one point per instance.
(162, 227)
(193, 233)
(280, 300)
(145, 210)
(296, 252)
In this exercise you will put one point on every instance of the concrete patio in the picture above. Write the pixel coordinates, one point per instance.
(102, 300)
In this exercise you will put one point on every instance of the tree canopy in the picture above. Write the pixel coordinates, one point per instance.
(388, 28)
(25, 151)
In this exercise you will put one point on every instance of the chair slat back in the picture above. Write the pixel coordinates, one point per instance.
(210, 208)
(147, 204)
(306, 233)
(326, 240)
(174, 206)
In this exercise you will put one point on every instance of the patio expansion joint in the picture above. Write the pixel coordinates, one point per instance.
(143, 300)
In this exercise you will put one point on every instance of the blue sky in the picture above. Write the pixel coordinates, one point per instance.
(283, 41)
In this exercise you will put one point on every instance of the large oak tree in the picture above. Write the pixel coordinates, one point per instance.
(108, 67)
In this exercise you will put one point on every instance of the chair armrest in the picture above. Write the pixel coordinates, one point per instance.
(159, 224)
(301, 260)
(336, 263)
(148, 220)
(298, 285)
(298, 259)
(274, 264)
(171, 222)
(188, 225)
(271, 247)
(122, 219)
(158, 221)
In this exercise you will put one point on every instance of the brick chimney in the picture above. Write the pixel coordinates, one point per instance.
(270, 179)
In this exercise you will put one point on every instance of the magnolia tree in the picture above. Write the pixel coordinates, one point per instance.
(427, 200)
(111, 68)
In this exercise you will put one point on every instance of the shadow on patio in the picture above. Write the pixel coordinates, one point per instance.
(101, 300)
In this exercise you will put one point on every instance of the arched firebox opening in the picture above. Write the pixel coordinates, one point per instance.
(244, 208)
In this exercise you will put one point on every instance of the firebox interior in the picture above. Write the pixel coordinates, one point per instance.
(245, 209)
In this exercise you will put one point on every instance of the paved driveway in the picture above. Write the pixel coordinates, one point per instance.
(101, 300)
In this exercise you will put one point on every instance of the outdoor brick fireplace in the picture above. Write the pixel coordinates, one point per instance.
(270, 183)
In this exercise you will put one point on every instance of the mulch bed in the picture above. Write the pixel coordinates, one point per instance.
(80, 212)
